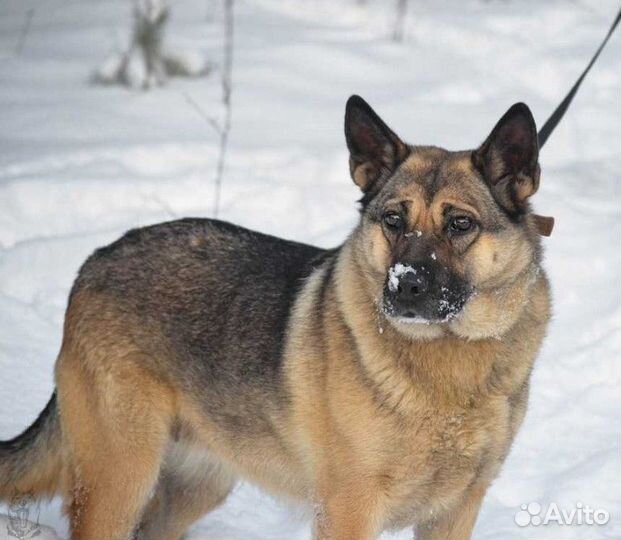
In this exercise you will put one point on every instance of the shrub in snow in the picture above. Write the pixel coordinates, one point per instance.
(147, 62)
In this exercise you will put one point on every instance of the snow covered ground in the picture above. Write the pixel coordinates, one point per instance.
(81, 164)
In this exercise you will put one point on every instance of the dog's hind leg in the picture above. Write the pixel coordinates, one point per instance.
(116, 418)
(191, 484)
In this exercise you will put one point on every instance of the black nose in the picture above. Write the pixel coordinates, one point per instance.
(411, 285)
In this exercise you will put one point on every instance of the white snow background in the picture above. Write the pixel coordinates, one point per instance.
(81, 164)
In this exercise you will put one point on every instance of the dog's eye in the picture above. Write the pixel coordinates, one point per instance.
(393, 220)
(461, 225)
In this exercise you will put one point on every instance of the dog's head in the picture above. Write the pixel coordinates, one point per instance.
(446, 238)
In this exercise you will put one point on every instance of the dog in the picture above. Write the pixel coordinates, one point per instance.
(383, 381)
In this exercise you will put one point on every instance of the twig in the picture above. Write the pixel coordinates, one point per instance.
(24, 33)
(163, 205)
(211, 121)
(227, 89)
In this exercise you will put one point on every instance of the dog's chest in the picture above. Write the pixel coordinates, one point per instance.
(435, 459)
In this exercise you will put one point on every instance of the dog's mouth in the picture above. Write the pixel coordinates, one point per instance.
(432, 311)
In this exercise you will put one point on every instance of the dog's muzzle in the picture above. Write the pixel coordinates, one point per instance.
(424, 293)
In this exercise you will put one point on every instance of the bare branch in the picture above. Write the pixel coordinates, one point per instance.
(227, 89)
(210, 120)
(162, 204)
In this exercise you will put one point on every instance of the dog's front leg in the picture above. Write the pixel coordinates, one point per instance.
(352, 514)
(456, 524)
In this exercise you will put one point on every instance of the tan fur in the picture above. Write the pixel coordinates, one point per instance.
(115, 419)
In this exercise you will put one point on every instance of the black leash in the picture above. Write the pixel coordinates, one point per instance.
(559, 112)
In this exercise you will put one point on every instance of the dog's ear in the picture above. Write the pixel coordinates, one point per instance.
(508, 159)
(374, 149)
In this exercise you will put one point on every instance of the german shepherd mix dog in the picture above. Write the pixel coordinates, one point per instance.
(383, 381)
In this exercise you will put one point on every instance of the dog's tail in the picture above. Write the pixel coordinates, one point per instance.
(31, 462)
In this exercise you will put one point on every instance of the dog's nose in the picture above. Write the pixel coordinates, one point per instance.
(411, 285)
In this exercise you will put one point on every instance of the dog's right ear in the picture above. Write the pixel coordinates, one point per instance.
(375, 151)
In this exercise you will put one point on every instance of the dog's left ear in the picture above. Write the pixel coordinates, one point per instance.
(508, 159)
(375, 151)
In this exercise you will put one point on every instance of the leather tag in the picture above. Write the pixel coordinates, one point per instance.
(545, 224)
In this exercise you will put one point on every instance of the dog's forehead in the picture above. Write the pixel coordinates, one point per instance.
(430, 173)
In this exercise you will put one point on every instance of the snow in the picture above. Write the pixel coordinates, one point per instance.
(395, 272)
(80, 164)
